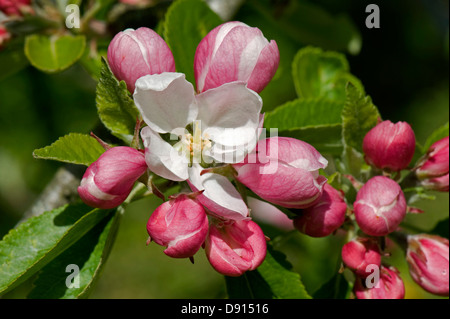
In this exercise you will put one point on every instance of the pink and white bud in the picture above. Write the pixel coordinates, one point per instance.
(389, 286)
(232, 52)
(109, 180)
(390, 146)
(180, 224)
(380, 206)
(360, 255)
(434, 168)
(428, 259)
(135, 53)
(324, 217)
(284, 171)
(235, 247)
(15, 7)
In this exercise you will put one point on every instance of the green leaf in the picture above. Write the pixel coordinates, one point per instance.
(89, 254)
(273, 279)
(438, 134)
(336, 288)
(319, 73)
(115, 107)
(187, 23)
(54, 53)
(359, 115)
(37, 241)
(315, 121)
(303, 113)
(74, 148)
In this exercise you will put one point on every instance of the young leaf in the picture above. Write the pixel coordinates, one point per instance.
(74, 148)
(54, 53)
(37, 241)
(359, 115)
(319, 73)
(273, 279)
(187, 23)
(89, 254)
(115, 107)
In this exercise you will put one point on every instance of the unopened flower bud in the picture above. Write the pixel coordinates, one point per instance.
(434, 168)
(232, 52)
(380, 206)
(390, 146)
(284, 171)
(360, 254)
(109, 180)
(324, 217)
(388, 286)
(181, 225)
(236, 247)
(136, 53)
(428, 259)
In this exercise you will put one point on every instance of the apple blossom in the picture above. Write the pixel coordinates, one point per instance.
(135, 53)
(284, 171)
(179, 224)
(389, 286)
(108, 181)
(324, 217)
(434, 168)
(428, 259)
(186, 132)
(390, 146)
(235, 247)
(380, 206)
(232, 52)
(360, 253)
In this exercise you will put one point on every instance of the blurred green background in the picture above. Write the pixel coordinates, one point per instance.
(403, 66)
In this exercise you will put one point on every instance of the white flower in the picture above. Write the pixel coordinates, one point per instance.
(186, 132)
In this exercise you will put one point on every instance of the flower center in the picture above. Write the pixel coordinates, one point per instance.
(195, 146)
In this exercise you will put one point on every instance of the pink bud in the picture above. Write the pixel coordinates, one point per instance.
(324, 217)
(390, 146)
(235, 247)
(15, 7)
(136, 53)
(433, 169)
(380, 206)
(389, 286)
(108, 181)
(360, 253)
(428, 259)
(284, 171)
(232, 52)
(180, 225)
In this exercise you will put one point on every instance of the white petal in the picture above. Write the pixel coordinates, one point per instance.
(219, 196)
(166, 101)
(162, 159)
(230, 114)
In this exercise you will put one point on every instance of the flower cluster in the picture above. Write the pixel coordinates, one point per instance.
(381, 206)
(207, 137)
(192, 136)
